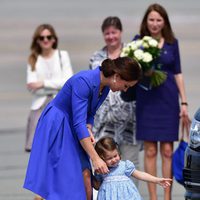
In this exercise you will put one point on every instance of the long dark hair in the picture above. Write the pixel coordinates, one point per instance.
(35, 47)
(166, 31)
(127, 68)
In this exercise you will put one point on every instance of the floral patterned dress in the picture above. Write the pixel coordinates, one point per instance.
(117, 185)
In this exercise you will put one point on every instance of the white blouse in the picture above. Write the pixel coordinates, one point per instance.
(54, 72)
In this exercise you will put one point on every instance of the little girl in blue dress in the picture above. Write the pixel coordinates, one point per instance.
(117, 185)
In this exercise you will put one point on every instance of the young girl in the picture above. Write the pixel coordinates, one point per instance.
(117, 183)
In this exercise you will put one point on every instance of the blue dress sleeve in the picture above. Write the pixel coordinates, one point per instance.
(129, 168)
(177, 64)
(136, 37)
(81, 93)
(90, 119)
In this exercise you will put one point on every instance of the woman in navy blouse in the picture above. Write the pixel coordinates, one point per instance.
(157, 110)
(63, 139)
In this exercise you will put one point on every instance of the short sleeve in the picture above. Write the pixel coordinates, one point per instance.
(129, 167)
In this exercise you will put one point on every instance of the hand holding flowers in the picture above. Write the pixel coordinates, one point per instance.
(145, 51)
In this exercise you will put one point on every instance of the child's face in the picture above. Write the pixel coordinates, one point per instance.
(112, 158)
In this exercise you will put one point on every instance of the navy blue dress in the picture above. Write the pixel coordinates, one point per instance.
(55, 170)
(157, 110)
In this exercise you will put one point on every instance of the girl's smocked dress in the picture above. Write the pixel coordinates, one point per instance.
(117, 185)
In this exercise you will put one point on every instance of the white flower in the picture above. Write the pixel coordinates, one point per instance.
(147, 38)
(147, 57)
(123, 54)
(145, 44)
(138, 43)
(144, 51)
(138, 54)
(125, 51)
(153, 43)
(133, 45)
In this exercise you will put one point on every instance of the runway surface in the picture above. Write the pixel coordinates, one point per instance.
(78, 26)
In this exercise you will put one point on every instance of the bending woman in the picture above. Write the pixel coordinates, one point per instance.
(63, 140)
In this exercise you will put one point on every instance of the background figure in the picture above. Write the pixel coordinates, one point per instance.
(63, 142)
(157, 110)
(48, 69)
(115, 117)
(117, 183)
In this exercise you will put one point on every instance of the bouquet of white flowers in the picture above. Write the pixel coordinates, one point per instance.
(145, 51)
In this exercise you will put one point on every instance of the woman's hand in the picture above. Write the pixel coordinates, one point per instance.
(100, 166)
(185, 126)
(185, 121)
(35, 85)
(184, 111)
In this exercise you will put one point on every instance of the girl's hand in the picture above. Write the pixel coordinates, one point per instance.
(164, 182)
(100, 166)
(35, 85)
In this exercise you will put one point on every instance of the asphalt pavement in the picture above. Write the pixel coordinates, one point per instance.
(78, 26)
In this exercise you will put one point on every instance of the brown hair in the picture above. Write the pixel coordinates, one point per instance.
(127, 68)
(35, 47)
(104, 145)
(111, 21)
(166, 31)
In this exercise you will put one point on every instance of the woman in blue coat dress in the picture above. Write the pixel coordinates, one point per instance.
(157, 109)
(63, 140)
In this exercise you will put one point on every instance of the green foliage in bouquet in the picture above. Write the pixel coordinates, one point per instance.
(145, 51)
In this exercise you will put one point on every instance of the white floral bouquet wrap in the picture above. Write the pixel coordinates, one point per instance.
(145, 51)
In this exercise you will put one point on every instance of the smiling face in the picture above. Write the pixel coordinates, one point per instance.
(112, 36)
(155, 23)
(46, 40)
(118, 84)
(112, 158)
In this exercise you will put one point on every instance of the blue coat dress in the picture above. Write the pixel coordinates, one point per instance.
(55, 170)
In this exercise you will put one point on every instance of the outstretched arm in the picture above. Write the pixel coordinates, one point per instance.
(164, 182)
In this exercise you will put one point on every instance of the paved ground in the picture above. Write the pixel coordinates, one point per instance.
(78, 26)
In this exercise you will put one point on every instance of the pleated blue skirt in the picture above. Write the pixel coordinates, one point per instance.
(54, 170)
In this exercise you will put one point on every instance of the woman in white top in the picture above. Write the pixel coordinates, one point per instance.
(47, 70)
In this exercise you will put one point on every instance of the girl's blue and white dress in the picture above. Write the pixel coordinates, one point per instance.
(117, 185)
